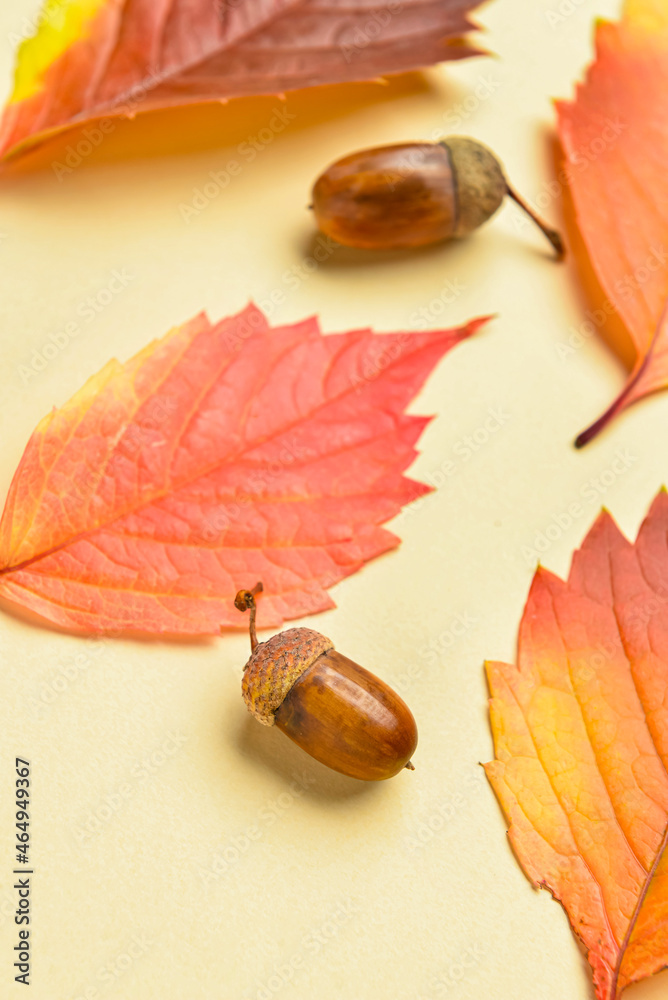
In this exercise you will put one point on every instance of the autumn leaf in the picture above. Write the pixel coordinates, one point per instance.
(100, 58)
(581, 736)
(218, 456)
(615, 136)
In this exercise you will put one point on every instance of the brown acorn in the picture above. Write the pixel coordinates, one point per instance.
(335, 710)
(412, 194)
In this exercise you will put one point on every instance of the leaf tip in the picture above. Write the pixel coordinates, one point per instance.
(472, 327)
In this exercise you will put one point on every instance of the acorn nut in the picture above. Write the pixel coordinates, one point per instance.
(335, 710)
(414, 193)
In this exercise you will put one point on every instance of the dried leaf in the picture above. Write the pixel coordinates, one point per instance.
(215, 457)
(100, 58)
(615, 135)
(581, 736)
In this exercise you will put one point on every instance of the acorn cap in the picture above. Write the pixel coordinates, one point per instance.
(275, 665)
(479, 182)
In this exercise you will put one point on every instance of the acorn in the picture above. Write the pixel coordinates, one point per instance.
(414, 193)
(335, 710)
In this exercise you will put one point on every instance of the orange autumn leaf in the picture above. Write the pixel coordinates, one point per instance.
(99, 58)
(220, 455)
(615, 137)
(581, 739)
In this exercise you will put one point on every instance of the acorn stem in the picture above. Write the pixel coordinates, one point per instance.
(251, 626)
(553, 236)
(244, 600)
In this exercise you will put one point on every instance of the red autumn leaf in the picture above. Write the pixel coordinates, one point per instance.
(581, 738)
(99, 58)
(615, 136)
(218, 456)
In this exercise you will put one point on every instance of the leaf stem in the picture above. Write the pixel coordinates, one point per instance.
(244, 600)
(619, 403)
(590, 432)
(636, 913)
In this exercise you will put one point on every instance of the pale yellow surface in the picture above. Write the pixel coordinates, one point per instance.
(162, 813)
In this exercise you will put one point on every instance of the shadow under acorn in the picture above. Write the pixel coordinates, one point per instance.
(272, 751)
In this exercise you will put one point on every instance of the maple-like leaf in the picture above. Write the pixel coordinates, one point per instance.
(218, 456)
(94, 58)
(581, 737)
(615, 136)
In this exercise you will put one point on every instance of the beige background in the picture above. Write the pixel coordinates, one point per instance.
(182, 850)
